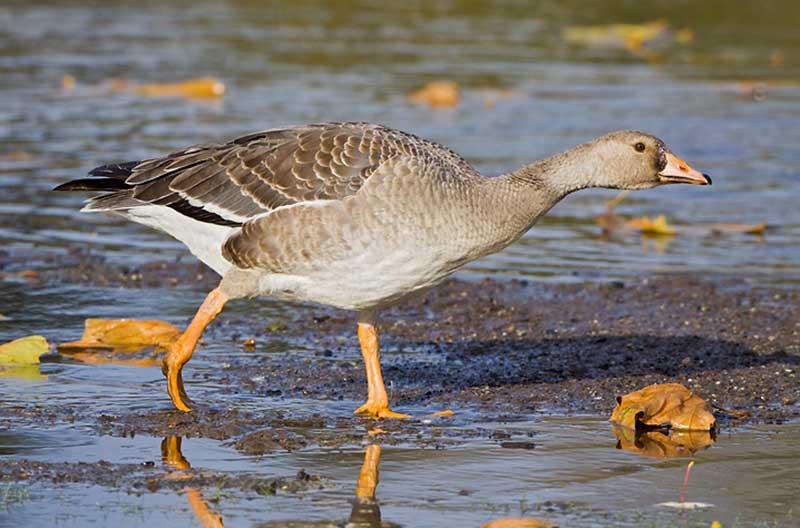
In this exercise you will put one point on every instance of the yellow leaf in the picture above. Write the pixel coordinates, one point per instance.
(23, 351)
(23, 372)
(661, 444)
(684, 36)
(207, 87)
(669, 404)
(438, 93)
(518, 522)
(651, 226)
(111, 333)
(630, 36)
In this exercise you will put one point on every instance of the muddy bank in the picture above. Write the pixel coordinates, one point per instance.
(488, 349)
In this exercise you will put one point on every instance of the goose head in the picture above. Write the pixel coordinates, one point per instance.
(630, 159)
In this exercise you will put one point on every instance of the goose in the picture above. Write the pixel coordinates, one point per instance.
(353, 215)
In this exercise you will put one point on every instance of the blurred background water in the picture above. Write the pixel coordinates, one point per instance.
(719, 85)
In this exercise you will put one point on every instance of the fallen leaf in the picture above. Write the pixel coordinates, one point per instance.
(748, 229)
(200, 88)
(68, 82)
(518, 522)
(113, 333)
(651, 226)
(23, 372)
(684, 36)
(662, 444)
(630, 36)
(438, 93)
(203, 88)
(663, 405)
(23, 351)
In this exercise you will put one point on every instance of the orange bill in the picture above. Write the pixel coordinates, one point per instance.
(678, 171)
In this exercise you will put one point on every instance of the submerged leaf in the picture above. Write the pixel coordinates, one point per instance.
(438, 93)
(134, 333)
(23, 351)
(663, 405)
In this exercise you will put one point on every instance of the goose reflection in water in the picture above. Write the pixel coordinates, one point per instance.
(366, 512)
(172, 457)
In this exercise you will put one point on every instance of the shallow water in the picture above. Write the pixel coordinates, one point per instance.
(313, 61)
(574, 476)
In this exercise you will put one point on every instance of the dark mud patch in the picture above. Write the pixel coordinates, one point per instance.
(509, 348)
(148, 477)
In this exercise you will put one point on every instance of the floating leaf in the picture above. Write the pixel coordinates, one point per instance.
(438, 93)
(23, 351)
(662, 444)
(207, 87)
(663, 405)
(134, 333)
(630, 36)
(200, 88)
(651, 226)
(518, 522)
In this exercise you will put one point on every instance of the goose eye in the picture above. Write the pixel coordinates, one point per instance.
(639, 147)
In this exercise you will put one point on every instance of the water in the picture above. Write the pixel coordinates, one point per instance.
(574, 476)
(298, 62)
(316, 62)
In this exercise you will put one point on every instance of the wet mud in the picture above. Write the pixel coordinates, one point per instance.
(487, 349)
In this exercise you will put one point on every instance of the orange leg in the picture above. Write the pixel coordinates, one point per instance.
(181, 351)
(377, 405)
